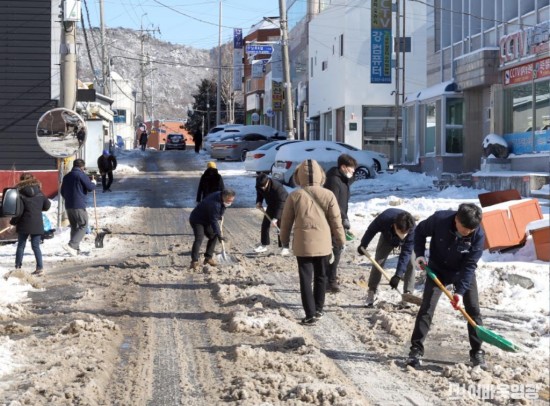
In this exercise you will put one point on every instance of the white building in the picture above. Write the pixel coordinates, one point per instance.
(124, 106)
(343, 103)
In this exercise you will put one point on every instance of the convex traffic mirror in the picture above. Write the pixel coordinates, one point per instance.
(61, 132)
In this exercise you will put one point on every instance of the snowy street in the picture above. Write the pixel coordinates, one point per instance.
(131, 324)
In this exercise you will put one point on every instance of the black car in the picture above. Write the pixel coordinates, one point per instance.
(175, 141)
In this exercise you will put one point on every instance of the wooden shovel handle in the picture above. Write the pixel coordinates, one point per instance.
(269, 218)
(446, 291)
(377, 265)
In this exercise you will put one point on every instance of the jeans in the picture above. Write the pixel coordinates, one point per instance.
(35, 244)
(429, 302)
(200, 230)
(107, 180)
(312, 268)
(266, 226)
(78, 218)
(383, 250)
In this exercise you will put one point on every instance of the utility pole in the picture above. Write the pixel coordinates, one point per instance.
(289, 105)
(208, 108)
(397, 56)
(219, 85)
(142, 70)
(68, 65)
(104, 88)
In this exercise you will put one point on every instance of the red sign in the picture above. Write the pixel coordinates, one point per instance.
(527, 72)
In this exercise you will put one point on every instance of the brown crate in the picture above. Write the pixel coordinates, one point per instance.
(541, 238)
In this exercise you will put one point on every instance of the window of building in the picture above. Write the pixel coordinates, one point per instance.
(327, 127)
(341, 44)
(324, 65)
(454, 126)
(379, 128)
(248, 85)
(410, 152)
(311, 67)
(429, 128)
(120, 116)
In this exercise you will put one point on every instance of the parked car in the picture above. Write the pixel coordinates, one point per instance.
(215, 134)
(175, 141)
(264, 130)
(326, 153)
(235, 146)
(263, 158)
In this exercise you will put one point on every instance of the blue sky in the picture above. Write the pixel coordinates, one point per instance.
(188, 22)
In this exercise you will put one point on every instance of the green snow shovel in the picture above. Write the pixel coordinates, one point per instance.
(484, 334)
(407, 297)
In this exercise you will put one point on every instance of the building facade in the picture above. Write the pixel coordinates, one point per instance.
(488, 72)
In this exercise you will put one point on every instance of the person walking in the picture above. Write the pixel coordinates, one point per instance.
(30, 222)
(339, 180)
(106, 164)
(312, 213)
(274, 194)
(211, 181)
(74, 188)
(456, 245)
(143, 140)
(204, 221)
(197, 139)
(396, 228)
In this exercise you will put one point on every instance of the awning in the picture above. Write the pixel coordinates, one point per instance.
(444, 88)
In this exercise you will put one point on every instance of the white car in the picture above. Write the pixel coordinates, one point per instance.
(263, 158)
(241, 130)
(215, 134)
(326, 153)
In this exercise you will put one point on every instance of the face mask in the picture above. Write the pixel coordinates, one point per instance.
(227, 204)
(349, 175)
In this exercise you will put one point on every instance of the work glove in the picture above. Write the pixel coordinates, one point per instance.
(421, 262)
(360, 250)
(259, 206)
(94, 181)
(274, 222)
(457, 301)
(394, 281)
(221, 239)
(346, 224)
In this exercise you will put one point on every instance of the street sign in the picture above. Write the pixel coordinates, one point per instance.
(259, 49)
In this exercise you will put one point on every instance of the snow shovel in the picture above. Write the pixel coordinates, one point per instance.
(224, 257)
(483, 333)
(270, 219)
(407, 297)
(99, 236)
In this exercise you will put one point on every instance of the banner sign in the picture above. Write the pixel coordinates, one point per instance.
(238, 72)
(237, 38)
(381, 41)
(525, 73)
(277, 96)
(259, 49)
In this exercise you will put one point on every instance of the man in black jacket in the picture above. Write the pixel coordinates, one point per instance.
(456, 245)
(106, 164)
(210, 181)
(396, 228)
(274, 194)
(339, 180)
(204, 222)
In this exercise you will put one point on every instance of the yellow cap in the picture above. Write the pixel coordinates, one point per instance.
(211, 164)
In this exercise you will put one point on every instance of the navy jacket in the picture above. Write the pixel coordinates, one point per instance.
(209, 212)
(452, 258)
(211, 181)
(339, 184)
(76, 185)
(275, 197)
(383, 223)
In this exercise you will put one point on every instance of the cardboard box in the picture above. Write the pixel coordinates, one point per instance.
(541, 238)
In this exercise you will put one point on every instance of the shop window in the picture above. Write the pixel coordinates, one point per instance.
(522, 110)
(429, 129)
(542, 106)
(453, 126)
(120, 116)
(379, 128)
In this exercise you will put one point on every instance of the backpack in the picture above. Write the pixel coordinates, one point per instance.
(12, 205)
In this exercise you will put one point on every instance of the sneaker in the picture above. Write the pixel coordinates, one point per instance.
(371, 298)
(309, 321)
(72, 252)
(194, 265)
(38, 272)
(319, 314)
(477, 358)
(260, 248)
(333, 288)
(285, 252)
(415, 358)
(210, 261)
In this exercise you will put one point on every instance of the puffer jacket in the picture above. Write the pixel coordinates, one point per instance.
(35, 203)
(312, 228)
(211, 181)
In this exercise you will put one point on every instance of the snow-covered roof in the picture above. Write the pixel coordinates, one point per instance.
(449, 87)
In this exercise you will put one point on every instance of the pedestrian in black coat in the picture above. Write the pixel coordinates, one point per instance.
(30, 223)
(143, 140)
(106, 164)
(274, 194)
(197, 139)
(339, 180)
(211, 181)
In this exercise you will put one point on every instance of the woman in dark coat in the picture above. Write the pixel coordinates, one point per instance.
(211, 181)
(30, 223)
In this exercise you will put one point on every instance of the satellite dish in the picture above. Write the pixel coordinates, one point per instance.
(61, 132)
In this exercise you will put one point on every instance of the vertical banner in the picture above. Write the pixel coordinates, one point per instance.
(237, 59)
(381, 37)
(277, 95)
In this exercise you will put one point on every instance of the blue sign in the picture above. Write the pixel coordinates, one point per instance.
(522, 143)
(380, 54)
(259, 49)
(237, 38)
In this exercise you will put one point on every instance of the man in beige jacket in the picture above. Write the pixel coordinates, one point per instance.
(312, 212)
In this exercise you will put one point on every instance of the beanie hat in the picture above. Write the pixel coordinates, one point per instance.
(211, 164)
